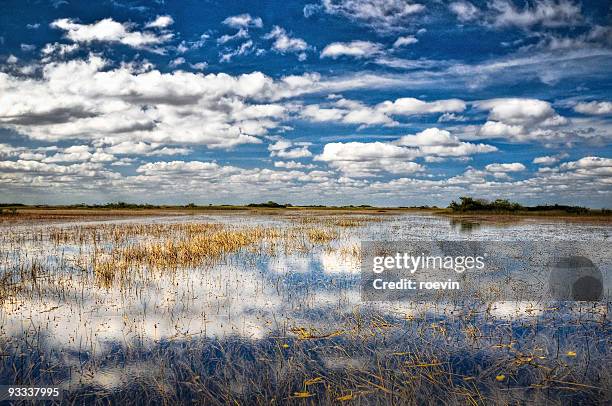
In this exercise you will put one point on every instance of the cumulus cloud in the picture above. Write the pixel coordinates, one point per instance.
(7, 150)
(354, 112)
(509, 167)
(79, 153)
(404, 41)
(177, 62)
(284, 42)
(382, 15)
(600, 108)
(359, 159)
(241, 34)
(355, 49)
(549, 159)
(161, 22)
(58, 49)
(521, 120)
(412, 106)
(289, 150)
(590, 165)
(348, 112)
(526, 15)
(429, 137)
(109, 30)
(434, 142)
(292, 165)
(244, 49)
(199, 180)
(464, 10)
(143, 148)
(520, 111)
(243, 21)
(222, 179)
(79, 99)
(69, 173)
(547, 13)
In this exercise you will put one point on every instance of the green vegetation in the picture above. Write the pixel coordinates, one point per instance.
(465, 205)
(270, 204)
(471, 205)
(468, 204)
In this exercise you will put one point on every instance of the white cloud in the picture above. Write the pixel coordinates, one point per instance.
(411, 106)
(429, 137)
(495, 129)
(461, 150)
(244, 49)
(27, 47)
(58, 49)
(347, 112)
(289, 150)
(548, 13)
(549, 159)
(518, 111)
(177, 62)
(363, 151)
(292, 165)
(218, 178)
(354, 112)
(315, 113)
(243, 21)
(403, 41)
(199, 65)
(87, 169)
(80, 99)
(142, 148)
(521, 120)
(590, 162)
(464, 10)
(382, 15)
(361, 159)
(510, 167)
(242, 33)
(164, 182)
(12, 59)
(161, 22)
(358, 159)
(7, 150)
(108, 30)
(356, 49)
(440, 143)
(451, 117)
(594, 108)
(283, 42)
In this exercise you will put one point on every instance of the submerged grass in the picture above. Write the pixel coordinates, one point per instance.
(138, 313)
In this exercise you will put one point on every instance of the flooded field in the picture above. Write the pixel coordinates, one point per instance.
(259, 309)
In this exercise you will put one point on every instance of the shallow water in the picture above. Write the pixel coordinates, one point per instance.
(261, 322)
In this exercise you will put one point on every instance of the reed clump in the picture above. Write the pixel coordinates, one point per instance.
(321, 236)
(194, 246)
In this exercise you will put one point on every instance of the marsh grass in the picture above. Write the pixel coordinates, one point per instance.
(313, 348)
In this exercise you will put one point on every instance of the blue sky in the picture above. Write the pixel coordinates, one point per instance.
(386, 102)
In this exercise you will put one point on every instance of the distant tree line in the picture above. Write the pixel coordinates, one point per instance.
(469, 204)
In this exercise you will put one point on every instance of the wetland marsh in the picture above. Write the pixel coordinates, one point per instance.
(253, 308)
